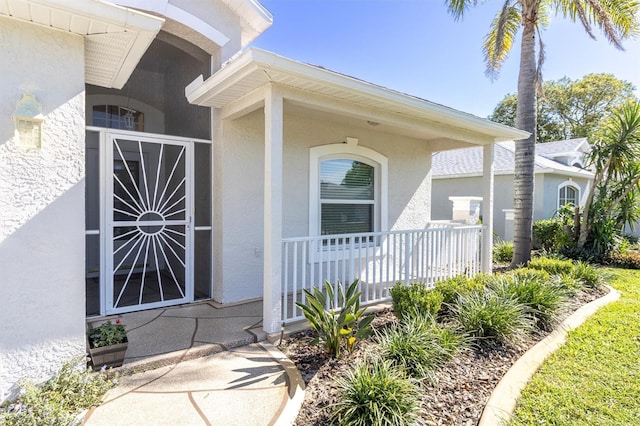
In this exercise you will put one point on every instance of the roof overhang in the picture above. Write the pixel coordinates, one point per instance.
(585, 174)
(116, 37)
(255, 68)
(254, 18)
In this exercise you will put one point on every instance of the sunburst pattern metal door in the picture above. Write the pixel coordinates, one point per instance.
(149, 233)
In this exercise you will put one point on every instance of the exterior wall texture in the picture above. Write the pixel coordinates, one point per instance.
(545, 196)
(472, 186)
(240, 177)
(41, 205)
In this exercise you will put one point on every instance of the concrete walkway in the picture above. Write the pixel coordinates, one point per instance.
(198, 365)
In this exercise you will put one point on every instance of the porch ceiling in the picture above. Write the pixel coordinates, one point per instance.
(319, 91)
(115, 37)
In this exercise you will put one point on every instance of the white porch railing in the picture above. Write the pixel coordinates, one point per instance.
(378, 260)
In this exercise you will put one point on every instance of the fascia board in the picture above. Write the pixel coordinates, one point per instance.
(581, 174)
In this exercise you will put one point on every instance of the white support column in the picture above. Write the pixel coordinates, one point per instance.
(272, 274)
(487, 207)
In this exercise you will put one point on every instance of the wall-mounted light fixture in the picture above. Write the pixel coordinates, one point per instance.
(28, 120)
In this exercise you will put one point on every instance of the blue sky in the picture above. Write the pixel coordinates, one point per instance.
(416, 47)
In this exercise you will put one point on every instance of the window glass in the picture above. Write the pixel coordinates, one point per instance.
(117, 117)
(347, 197)
(568, 195)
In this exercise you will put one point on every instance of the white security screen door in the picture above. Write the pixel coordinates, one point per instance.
(148, 223)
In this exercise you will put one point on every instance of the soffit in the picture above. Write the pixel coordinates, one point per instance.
(115, 37)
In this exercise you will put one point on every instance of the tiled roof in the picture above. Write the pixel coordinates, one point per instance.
(468, 161)
(548, 149)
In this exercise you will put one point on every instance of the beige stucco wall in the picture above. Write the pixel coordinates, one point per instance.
(239, 165)
(41, 205)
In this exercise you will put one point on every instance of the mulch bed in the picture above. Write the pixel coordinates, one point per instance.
(458, 394)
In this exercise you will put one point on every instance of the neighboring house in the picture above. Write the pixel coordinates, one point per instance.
(559, 179)
(149, 157)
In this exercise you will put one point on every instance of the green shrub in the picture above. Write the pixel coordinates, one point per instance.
(568, 282)
(588, 274)
(451, 288)
(548, 234)
(486, 314)
(542, 299)
(333, 327)
(59, 400)
(418, 345)
(376, 393)
(551, 266)
(503, 251)
(415, 298)
(628, 260)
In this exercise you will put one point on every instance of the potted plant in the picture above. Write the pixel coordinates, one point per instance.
(107, 344)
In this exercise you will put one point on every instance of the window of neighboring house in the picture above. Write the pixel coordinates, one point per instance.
(348, 191)
(568, 193)
(117, 117)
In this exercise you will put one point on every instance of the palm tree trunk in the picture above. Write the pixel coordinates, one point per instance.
(525, 149)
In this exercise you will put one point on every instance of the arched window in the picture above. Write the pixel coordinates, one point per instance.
(568, 193)
(348, 190)
(117, 117)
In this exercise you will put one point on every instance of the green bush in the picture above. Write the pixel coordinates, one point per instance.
(628, 260)
(568, 282)
(418, 345)
(551, 266)
(486, 314)
(542, 299)
(545, 234)
(376, 393)
(333, 327)
(503, 251)
(588, 274)
(451, 288)
(415, 298)
(59, 400)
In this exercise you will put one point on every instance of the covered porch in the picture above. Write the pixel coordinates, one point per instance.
(309, 122)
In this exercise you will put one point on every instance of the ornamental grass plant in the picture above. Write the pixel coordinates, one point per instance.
(376, 393)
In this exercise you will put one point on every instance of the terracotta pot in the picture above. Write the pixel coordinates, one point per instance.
(111, 356)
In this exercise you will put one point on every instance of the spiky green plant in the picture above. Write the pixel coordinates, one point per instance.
(336, 327)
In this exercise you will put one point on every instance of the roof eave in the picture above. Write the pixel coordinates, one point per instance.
(203, 92)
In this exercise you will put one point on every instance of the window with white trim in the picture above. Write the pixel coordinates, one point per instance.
(348, 192)
(568, 193)
(347, 197)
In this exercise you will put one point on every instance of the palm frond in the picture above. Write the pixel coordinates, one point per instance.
(499, 40)
(457, 8)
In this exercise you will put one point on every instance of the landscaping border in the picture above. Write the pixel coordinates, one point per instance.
(503, 399)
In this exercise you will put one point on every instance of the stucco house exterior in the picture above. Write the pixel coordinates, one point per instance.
(560, 178)
(150, 157)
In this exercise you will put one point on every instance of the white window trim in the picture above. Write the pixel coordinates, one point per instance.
(349, 150)
(565, 184)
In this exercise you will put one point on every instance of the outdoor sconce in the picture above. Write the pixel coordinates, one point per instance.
(28, 121)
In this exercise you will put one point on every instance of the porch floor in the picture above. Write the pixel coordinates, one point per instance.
(168, 335)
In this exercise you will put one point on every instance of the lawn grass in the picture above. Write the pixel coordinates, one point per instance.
(594, 379)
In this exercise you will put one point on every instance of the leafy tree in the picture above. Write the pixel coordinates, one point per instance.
(617, 19)
(611, 201)
(570, 108)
